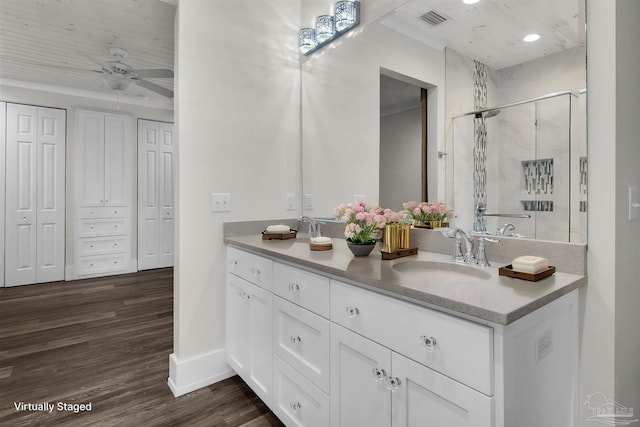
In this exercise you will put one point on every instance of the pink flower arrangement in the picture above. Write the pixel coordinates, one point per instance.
(423, 212)
(362, 221)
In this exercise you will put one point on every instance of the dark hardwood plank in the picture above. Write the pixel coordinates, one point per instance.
(106, 341)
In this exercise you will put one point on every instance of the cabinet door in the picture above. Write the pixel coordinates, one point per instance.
(422, 397)
(116, 165)
(359, 394)
(90, 158)
(249, 334)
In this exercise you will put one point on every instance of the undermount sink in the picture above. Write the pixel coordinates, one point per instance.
(445, 271)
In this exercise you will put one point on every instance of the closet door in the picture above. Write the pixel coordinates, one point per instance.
(50, 192)
(116, 174)
(90, 155)
(3, 134)
(34, 241)
(155, 194)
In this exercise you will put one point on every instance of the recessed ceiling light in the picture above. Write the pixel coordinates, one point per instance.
(470, 1)
(531, 37)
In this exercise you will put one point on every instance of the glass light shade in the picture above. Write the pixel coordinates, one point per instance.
(346, 13)
(307, 39)
(325, 28)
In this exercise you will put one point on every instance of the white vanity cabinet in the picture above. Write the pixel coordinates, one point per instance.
(249, 322)
(341, 355)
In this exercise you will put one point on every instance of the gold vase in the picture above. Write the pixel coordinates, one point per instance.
(435, 224)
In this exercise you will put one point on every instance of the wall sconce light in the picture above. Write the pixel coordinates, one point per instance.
(346, 16)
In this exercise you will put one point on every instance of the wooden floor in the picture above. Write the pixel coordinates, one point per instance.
(106, 342)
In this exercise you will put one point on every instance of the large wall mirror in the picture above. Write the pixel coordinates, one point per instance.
(462, 58)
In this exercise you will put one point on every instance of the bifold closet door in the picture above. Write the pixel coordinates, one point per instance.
(35, 186)
(155, 194)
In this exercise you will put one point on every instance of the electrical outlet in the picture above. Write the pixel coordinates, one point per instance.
(357, 198)
(308, 201)
(220, 202)
(291, 202)
(544, 345)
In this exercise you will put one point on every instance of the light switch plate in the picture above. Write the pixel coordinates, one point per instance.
(308, 201)
(633, 203)
(220, 202)
(291, 202)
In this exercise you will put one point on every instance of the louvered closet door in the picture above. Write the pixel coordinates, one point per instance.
(34, 241)
(155, 194)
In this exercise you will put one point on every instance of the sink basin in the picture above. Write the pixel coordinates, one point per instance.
(445, 271)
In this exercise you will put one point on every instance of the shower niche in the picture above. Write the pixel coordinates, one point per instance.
(534, 157)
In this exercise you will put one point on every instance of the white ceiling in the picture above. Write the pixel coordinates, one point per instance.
(58, 42)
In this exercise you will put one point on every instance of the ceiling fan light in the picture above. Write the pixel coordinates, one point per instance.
(531, 37)
(117, 83)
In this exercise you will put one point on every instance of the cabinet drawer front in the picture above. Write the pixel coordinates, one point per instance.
(103, 263)
(102, 227)
(308, 290)
(253, 268)
(296, 401)
(458, 348)
(301, 338)
(102, 245)
(101, 212)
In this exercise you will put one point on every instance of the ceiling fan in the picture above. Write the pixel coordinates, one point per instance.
(120, 76)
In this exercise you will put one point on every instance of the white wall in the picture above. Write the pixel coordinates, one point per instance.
(238, 125)
(60, 98)
(627, 234)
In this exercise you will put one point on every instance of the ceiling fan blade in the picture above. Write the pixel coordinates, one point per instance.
(155, 88)
(157, 73)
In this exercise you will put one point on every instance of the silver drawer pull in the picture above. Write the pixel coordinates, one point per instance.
(255, 271)
(296, 340)
(233, 262)
(244, 296)
(393, 383)
(295, 406)
(353, 312)
(428, 343)
(293, 288)
(379, 374)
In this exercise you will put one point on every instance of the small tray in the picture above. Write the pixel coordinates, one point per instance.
(399, 253)
(508, 271)
(317, 247)
(279, 236)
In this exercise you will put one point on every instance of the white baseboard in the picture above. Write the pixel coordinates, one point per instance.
(186, 376)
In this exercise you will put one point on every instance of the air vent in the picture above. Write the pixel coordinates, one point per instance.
(433, 18)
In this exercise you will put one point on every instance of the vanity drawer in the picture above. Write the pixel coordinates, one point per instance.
(306, 289)
(458, 348)
(253, 268)
(301, 338)
(102, 263)
(102, 245)
(102, 227)
(100, 212)
(296, 401)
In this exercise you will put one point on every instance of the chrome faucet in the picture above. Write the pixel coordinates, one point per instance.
(506, 228)
(314, 225)
(468, 257)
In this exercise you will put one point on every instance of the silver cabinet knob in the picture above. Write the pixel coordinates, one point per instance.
(428, 343)
(393, 383)
(244, 296)
(353, 312)
(295, 406)
(379, 374)
(296, 340)
(293, 288)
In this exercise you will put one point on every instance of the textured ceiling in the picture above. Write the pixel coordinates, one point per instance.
(60, 42)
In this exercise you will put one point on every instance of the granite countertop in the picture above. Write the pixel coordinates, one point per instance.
(499, 299)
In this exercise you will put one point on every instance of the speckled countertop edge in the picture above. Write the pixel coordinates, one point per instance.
(500, 300)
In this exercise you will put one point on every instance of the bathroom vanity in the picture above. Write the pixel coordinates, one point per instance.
(327, 339)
